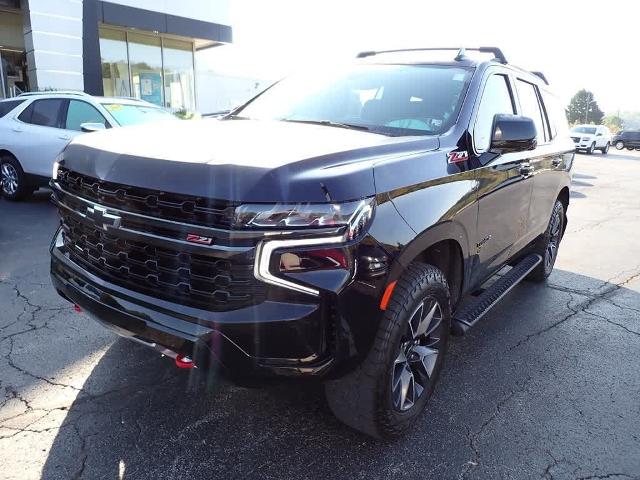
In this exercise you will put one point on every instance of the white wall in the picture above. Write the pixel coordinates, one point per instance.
(53, 42)
(216, 11)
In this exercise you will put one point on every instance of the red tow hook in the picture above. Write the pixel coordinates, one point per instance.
(77, 309)
(182, 361)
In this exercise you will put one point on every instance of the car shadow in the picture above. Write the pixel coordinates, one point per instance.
(139, 417)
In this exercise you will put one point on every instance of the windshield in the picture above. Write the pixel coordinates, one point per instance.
(129, 114)
(388, 99)
(589, 130)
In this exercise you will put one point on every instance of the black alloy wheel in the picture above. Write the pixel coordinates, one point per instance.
(386, 393)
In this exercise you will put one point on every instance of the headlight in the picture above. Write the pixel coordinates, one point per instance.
(54, 173)
(280, 256)
(309, 215)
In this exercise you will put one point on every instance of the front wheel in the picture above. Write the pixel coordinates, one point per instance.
(548, 245)
(605, 149)
(619, 145)
(387, 392)
(592, 148)
(12, 179)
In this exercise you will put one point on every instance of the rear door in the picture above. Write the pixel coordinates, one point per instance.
(39, 137)
(543, 160)
(504, 183)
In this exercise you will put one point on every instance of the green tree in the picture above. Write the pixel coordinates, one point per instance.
(613, 122)
(584, 109)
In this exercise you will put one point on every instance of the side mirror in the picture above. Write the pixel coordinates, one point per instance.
(92, 127)
(513, 133)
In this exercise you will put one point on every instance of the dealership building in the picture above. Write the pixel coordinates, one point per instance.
(146, 49)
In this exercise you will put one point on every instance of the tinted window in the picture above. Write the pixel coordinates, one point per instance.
(588, 130)
(556, 115)
(7, 106)
(25, 116)
(128, 114)
(385, 99)
(531, 107)
(81, 112)
(43, 112)
(496, 98)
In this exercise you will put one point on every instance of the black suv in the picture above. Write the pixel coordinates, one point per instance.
(339, 226)
(628, 139)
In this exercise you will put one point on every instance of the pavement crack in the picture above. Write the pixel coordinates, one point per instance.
(612, 322)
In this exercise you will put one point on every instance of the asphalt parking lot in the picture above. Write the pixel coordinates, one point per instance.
(546, 386)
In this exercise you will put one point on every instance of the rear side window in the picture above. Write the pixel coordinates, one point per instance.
(81, 112)
(555, 114)
(496, 98)
(7, 106)
(43, 112)
(531, 107)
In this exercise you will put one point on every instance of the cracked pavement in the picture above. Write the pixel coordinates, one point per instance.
(547, 386)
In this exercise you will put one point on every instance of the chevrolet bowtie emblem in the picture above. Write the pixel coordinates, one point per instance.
(101, 218)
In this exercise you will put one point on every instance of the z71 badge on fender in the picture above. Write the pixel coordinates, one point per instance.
(457, 157)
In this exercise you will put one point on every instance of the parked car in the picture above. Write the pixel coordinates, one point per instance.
(628, 139)
(35, 127)
(337, 227)
(591, 138)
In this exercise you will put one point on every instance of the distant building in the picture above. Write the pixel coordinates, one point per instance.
(139, 48)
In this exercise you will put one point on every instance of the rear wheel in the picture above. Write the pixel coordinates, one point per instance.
(619, 145)
(605, 149)
(12, 179)
(629, 148)
(548, 245)
(387, 392)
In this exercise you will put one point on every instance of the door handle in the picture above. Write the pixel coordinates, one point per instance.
(526, 170)
(64, 137)
(17, 129)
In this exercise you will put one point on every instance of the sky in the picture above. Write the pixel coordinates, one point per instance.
(577, 44)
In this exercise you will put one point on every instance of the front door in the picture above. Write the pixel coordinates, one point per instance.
(505, 184)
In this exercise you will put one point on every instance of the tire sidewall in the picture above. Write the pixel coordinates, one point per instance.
(399, 319)
(619, 145)
(547, 237)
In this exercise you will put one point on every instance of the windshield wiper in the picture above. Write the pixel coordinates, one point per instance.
(328, 123)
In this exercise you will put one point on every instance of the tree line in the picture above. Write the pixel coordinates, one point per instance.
(584, 109)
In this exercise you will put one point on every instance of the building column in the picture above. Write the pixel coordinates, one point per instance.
(53, 43)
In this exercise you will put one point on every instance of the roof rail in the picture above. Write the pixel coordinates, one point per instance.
(541, 75)
(497, 53)
(54, 92)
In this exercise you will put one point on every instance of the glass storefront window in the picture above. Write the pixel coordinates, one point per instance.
(145, 59)
(115, 63)
(157, 69)
(178, 74)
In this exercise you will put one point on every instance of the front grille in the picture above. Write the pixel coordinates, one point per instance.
(193, 279)
(170, 206)
(575, 139)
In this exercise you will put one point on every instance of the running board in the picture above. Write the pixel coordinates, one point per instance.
(472, 312)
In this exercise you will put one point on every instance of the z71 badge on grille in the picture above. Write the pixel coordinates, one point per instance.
(198, 239)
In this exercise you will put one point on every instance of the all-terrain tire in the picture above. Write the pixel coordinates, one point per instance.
(544, 246)
(363, 398)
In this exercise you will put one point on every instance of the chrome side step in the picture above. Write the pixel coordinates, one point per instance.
(467, 316)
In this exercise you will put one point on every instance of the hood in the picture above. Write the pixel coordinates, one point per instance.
(240, 160)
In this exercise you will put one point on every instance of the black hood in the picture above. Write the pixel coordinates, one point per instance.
(241, 160)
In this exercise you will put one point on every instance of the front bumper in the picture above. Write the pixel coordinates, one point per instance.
(270, 339)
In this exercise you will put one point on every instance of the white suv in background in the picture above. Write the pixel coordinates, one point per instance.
(591, 138)
(35, 127)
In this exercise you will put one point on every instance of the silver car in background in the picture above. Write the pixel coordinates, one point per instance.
(35, 127)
